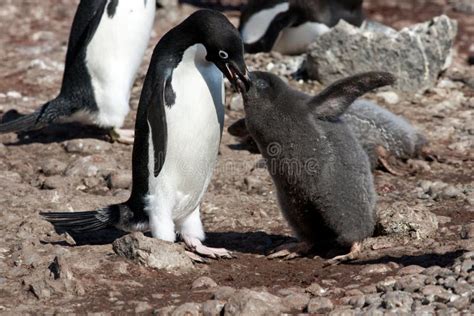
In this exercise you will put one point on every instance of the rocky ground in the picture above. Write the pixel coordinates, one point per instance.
(421, 259)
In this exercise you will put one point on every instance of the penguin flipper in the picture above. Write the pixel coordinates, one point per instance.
(333, 101)
(86, 21)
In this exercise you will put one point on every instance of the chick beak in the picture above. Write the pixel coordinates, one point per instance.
(239, 79)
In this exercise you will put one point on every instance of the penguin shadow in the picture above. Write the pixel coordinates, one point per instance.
(95, 238)
(259, 242)
(55, 133)
(423, 260)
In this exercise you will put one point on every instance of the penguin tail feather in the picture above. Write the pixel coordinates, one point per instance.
(24, 123)
(49, 113)
(81, 222)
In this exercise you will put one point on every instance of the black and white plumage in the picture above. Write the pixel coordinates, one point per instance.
(106, 46)
(374, 127)
(289, 26)
(322, 175)
(177, 133)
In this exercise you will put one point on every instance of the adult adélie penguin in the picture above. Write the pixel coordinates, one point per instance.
(106, 46)
(177, 134)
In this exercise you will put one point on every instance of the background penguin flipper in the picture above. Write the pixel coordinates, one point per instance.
(335, 99)
(266, 43)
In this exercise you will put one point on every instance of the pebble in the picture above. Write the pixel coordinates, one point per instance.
(236, 103)
(212, 308)
(187, 309)
(296, 301)
(14, 94)
(413, 269)
(397, 299)
(376, 269)
(389, 97)
(203, 283)
(320, 305)
(120, 180)
(223, 293)
(87, 146)
(467, 231)
(91, 166)
(52, 167)
(249, 302)
(316, 290)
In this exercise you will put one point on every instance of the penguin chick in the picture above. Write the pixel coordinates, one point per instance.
(290, 26)
(178, 131)
(322, 175)
(106, 46)
(380, 132)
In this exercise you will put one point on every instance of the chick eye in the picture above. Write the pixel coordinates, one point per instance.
(223, 54)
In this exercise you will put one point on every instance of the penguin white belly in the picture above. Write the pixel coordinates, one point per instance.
(258, 23)
(194, 123)
(295, 40)
(114, 56)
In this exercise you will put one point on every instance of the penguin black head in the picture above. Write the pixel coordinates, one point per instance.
(223, 44)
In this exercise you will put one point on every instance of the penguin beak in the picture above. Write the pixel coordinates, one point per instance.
(239, 78)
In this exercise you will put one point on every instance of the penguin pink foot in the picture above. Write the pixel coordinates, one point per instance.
(353, 254)
(290, 250)
(383, 157)
(198, 249)
(123, 136)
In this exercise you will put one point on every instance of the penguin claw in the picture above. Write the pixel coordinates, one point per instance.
(195, 246)
(352, 255)
(382, 158)
(195, 257)
(122, 136)
(289, 251)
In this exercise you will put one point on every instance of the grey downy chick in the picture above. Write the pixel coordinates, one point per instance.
(321, 173)
(380, 132)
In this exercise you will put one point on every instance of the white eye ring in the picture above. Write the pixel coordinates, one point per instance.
(223, 54)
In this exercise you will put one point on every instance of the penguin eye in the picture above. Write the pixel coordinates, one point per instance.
(223, 54)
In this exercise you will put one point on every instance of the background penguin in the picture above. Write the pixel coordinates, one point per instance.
(321, 173)
(106, 46)
(381, 133)
(177, 134)
(290, 26)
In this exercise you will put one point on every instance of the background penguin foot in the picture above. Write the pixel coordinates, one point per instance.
(197, 249)
(123, 136)
(353, 254)
(383, 159)
(290, 250)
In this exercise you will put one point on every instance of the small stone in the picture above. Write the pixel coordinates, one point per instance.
(386, 285)
(10, 177)
(212, 308)
(153, 253)
(91, 166)
(459, 302)
(120, 180)
(320, 305)
(375, 269)
(316, 290)
(357, 301)
(54, 182)
(14, 94)
(389, 97)
(87, 146)
(253, 184)
(431, 290)
(410, 283)
(248, 302)
(187, 309)
(397, 299)
(413, 269)
(165, 311)
(203, 283)
(467, 231)
(52, 167)
(142, 307)
(451, 192)
(296, 301)
(223, 293)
